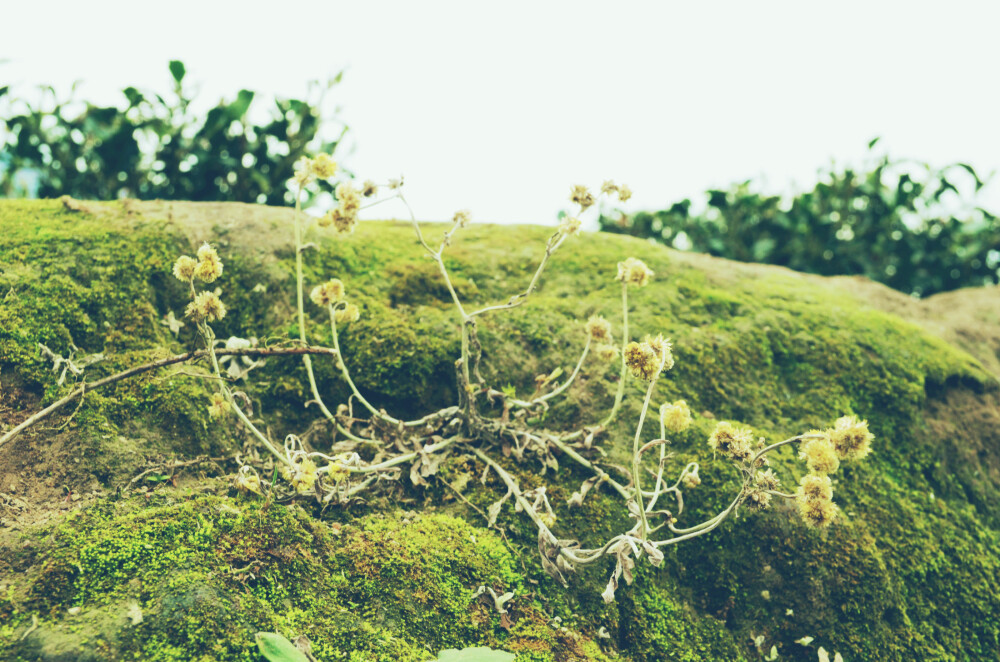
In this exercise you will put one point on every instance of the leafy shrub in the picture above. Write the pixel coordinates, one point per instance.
(156, 146)
(898, 222)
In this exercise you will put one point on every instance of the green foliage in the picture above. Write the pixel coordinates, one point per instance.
(277, 648)
(897, 222)
(157, 146)
(214, 578)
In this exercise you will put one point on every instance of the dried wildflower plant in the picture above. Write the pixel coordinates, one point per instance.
(489, 422)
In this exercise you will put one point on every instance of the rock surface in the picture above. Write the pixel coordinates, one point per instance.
(106, 554)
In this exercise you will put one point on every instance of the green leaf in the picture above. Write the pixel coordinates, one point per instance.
(177, 70)
(238, 108)
(965, 166)
(276, 648)
(133, 95)
(477, 654)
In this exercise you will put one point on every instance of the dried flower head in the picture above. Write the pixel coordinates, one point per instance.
(599, 329)
(328, 293)
(818, 513)
(209, 266)
(343, 222)
(606, 353)
(634, 272)
(609, 187)
(691, 479)
(303, 172)
(348, 313)
(369, 188)
(247, 480)
(304, 476)
(348, 197)
(624, 193)
(581, 196)
(766, 480)
(663, 350)
(323, 166)
(816, 486)
(820, 456)
(757, 499)
(207, 306)
(642, 360)
(462, 217)
(675, 416)
(337, 472)
(219, 406)
(851, 438)
(731, 441)
(396, 183)
(570, 226)
(184, 268)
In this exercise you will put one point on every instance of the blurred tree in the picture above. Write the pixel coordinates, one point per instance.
(901, 223)
(156, 146)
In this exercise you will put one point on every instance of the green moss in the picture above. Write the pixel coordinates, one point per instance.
(210, 572)
(901, 576)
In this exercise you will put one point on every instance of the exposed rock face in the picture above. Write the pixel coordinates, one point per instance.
(908, 573)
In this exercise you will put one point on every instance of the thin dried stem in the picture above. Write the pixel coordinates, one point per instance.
(147, 367)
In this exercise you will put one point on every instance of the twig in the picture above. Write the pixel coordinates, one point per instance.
(146, 367)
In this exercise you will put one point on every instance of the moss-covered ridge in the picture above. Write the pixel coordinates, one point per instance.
(906, 574)
(195, 579)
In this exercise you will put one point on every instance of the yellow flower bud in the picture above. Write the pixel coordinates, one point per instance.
(676, 417)
(184, 268)
(328, 293)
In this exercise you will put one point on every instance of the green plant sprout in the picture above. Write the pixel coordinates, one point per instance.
(487, 421)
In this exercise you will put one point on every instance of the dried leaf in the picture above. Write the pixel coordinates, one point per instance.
(655, 555)
(494, 510)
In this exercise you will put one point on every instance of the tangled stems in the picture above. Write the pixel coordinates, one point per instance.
(399, 445)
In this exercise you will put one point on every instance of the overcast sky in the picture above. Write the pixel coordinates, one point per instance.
(499, 107)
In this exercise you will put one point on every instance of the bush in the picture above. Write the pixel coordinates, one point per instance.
(901, 223)
(155, 146)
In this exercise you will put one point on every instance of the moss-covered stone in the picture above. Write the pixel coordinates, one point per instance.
(202, 575)
(909, 572)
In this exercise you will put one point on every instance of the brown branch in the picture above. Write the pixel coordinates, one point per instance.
(154, 365)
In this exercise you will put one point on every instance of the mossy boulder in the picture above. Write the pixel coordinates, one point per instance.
(107, 555)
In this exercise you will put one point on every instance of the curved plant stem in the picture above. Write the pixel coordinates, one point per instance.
(147, 367)
(621, 379)
(209, 337)
(637, 456)
(565, 385)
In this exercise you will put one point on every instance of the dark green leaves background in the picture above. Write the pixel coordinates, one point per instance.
(155, 146)
(884, 221)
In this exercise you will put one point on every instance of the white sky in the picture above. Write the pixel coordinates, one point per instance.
(499, 107)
